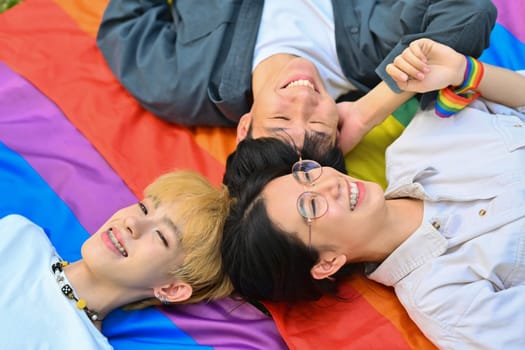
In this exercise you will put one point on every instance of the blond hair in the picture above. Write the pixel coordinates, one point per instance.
(201, 212)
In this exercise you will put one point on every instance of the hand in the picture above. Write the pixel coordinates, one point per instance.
(351, 126)
(427, 65)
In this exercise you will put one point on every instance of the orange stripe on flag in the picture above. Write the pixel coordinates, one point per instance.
(384, 301)
(87, 13)
(369, 317)
(65, 64)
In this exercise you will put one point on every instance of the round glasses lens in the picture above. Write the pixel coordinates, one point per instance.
(306, 171)
(311, 205)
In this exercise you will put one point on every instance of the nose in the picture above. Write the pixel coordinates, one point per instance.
(328, 185)
(305, 103)
(136, 226)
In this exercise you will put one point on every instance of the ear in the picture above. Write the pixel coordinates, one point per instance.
(328, 265)
(174, 292)
(244, 126)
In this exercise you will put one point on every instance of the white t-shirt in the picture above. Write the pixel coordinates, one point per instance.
(305, 29)
(35, 313)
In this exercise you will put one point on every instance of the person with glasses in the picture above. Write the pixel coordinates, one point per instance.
(162, 250)
(269, 65)
(448, 234)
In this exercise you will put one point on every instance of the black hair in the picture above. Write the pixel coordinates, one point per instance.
(267, 158)
(262, 261)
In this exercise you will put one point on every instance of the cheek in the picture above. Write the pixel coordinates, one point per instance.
(374, 201)
(330, 108)
(89, 247)
(330, 224)
(140, 269)
(156, 260)
(155, 272)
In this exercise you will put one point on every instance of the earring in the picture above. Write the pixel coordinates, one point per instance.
(161, 298)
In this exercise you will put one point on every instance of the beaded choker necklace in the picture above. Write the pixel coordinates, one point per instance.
(69, 292)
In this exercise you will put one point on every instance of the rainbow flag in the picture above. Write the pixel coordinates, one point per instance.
(75, 147)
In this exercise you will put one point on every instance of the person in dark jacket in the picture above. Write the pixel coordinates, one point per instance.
(268, 66)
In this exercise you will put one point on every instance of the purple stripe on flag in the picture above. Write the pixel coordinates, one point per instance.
(34, 127)
(510, 15)
(236, 324)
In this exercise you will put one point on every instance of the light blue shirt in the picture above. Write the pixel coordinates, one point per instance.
(35, 313)
(461, 275)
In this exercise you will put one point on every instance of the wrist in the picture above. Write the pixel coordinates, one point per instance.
(473, 73)
(367, 113)
(453, 99)
(460, 71)
(379, 103)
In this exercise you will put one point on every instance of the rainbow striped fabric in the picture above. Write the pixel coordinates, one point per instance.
(75, 146)
(451, 100)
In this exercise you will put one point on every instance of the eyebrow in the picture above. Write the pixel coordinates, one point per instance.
(276, 130)
(172, 226)
(156, 203)
(319, 134)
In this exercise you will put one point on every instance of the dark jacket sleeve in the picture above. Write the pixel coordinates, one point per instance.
(164, 55)
(464, 25)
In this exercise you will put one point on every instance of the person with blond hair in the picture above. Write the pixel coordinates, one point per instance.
(161, 250)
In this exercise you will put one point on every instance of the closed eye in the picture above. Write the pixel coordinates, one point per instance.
(308, 205)
(313, 207)
(162, 238)
(143, 208)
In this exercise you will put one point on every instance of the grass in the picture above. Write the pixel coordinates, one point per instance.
(7, 4)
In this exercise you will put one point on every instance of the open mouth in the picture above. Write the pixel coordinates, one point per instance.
(117, 243)
(353, 192)
(300, 82)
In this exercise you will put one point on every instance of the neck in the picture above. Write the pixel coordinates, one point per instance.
(100, 295)
(403, 217)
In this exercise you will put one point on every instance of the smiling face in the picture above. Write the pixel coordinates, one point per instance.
(295, 100)
(137, 247)
(354, 211)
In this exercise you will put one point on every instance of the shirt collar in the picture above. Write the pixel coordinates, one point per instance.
(423, 245)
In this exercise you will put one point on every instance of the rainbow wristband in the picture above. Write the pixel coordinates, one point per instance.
(451, 100)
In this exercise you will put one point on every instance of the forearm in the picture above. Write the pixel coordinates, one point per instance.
(497, 84)
(379, 103)
(503, 86)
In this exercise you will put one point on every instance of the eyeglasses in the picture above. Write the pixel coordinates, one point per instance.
(310, 205)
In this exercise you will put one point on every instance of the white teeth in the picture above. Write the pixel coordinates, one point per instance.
(116, 243)
(301, 82)
(354, 195)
